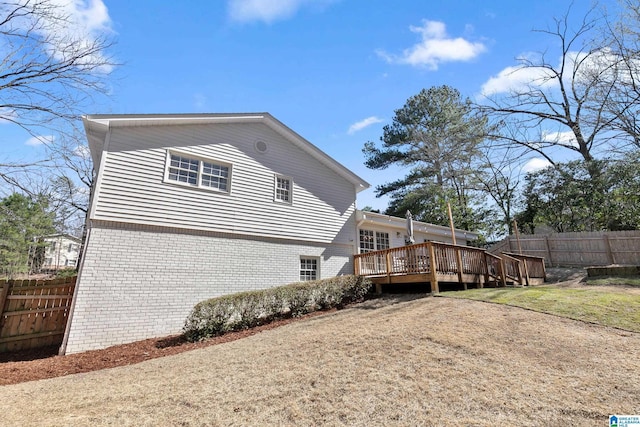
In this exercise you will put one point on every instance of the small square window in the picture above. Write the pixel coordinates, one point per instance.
(282, 191)
(308, 269)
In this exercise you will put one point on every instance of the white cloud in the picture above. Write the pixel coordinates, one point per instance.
(517, 78)
(588, 67)
(567, 139)
(535, 164)
(268, 11)
(85, 22)
(435, 47)
(363, 124)
(82, 151)
(36, 141)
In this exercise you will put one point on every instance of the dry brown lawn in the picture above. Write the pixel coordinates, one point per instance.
(391, 361)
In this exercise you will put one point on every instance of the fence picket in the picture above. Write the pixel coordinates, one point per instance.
(34, 313)
(579, 249)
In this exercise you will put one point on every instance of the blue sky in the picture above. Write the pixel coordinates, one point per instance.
(332, 70)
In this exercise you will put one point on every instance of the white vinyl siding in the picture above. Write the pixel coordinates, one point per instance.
(133, 185)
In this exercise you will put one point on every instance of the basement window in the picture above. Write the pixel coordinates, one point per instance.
(308, 268)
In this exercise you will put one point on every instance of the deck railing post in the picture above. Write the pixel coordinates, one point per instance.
(502, 270)
(433, 266)
(388, 262)
(460, 267)
(519, 265)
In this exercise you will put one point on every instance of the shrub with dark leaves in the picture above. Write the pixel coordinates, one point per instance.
(245, 310)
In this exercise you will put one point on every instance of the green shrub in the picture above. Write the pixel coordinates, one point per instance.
(66, 272)
(245, 310)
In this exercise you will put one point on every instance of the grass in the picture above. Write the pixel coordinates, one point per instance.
(614, 281)
(605, 307)
(391, 361)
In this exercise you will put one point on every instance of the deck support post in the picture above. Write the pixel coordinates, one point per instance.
(433, 269)
(460, 268)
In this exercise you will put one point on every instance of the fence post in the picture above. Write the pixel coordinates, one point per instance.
(607, 248)
(388, 262)
(3, 294)
(546, 241)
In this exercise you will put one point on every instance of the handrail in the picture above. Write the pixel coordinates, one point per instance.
(495, 269)
(513, 268)
(450, 259)
(442, 260)
(534, 265)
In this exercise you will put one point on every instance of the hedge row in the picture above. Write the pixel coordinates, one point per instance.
(245, 310)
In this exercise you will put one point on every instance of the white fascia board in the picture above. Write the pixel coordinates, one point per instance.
(395, 222)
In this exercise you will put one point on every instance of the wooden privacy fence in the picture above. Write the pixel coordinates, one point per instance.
(577, 249)
(435, 262)
(34, 313)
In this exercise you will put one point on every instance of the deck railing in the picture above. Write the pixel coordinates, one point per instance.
(436, 261)
(532, 266)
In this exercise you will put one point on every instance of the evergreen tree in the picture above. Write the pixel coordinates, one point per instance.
(23, 223)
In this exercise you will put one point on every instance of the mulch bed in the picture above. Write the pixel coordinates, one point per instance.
(42, 363)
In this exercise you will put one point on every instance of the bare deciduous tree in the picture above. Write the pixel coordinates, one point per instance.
(49, 69)
(52, 68)
(560, 103)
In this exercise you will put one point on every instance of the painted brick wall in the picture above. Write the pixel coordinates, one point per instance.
(140, 282)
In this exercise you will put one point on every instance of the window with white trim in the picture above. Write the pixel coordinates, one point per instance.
(382, 241)
(282, 190)
(308, 268)
(367, 242)
(198, 173)
(373, 241)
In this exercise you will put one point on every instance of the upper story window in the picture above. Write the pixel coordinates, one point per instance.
(282, 192)
(198, 173)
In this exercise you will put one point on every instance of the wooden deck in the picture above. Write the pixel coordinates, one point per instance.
(434, 263)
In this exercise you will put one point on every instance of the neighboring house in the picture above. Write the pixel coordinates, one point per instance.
(377, 231)
(193, 206)
(60, 251)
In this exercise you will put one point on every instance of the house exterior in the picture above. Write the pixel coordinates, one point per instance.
(61, 251)
(193, 206)
(378, 231)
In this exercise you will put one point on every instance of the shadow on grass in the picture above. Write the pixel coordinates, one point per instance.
(386, 300)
